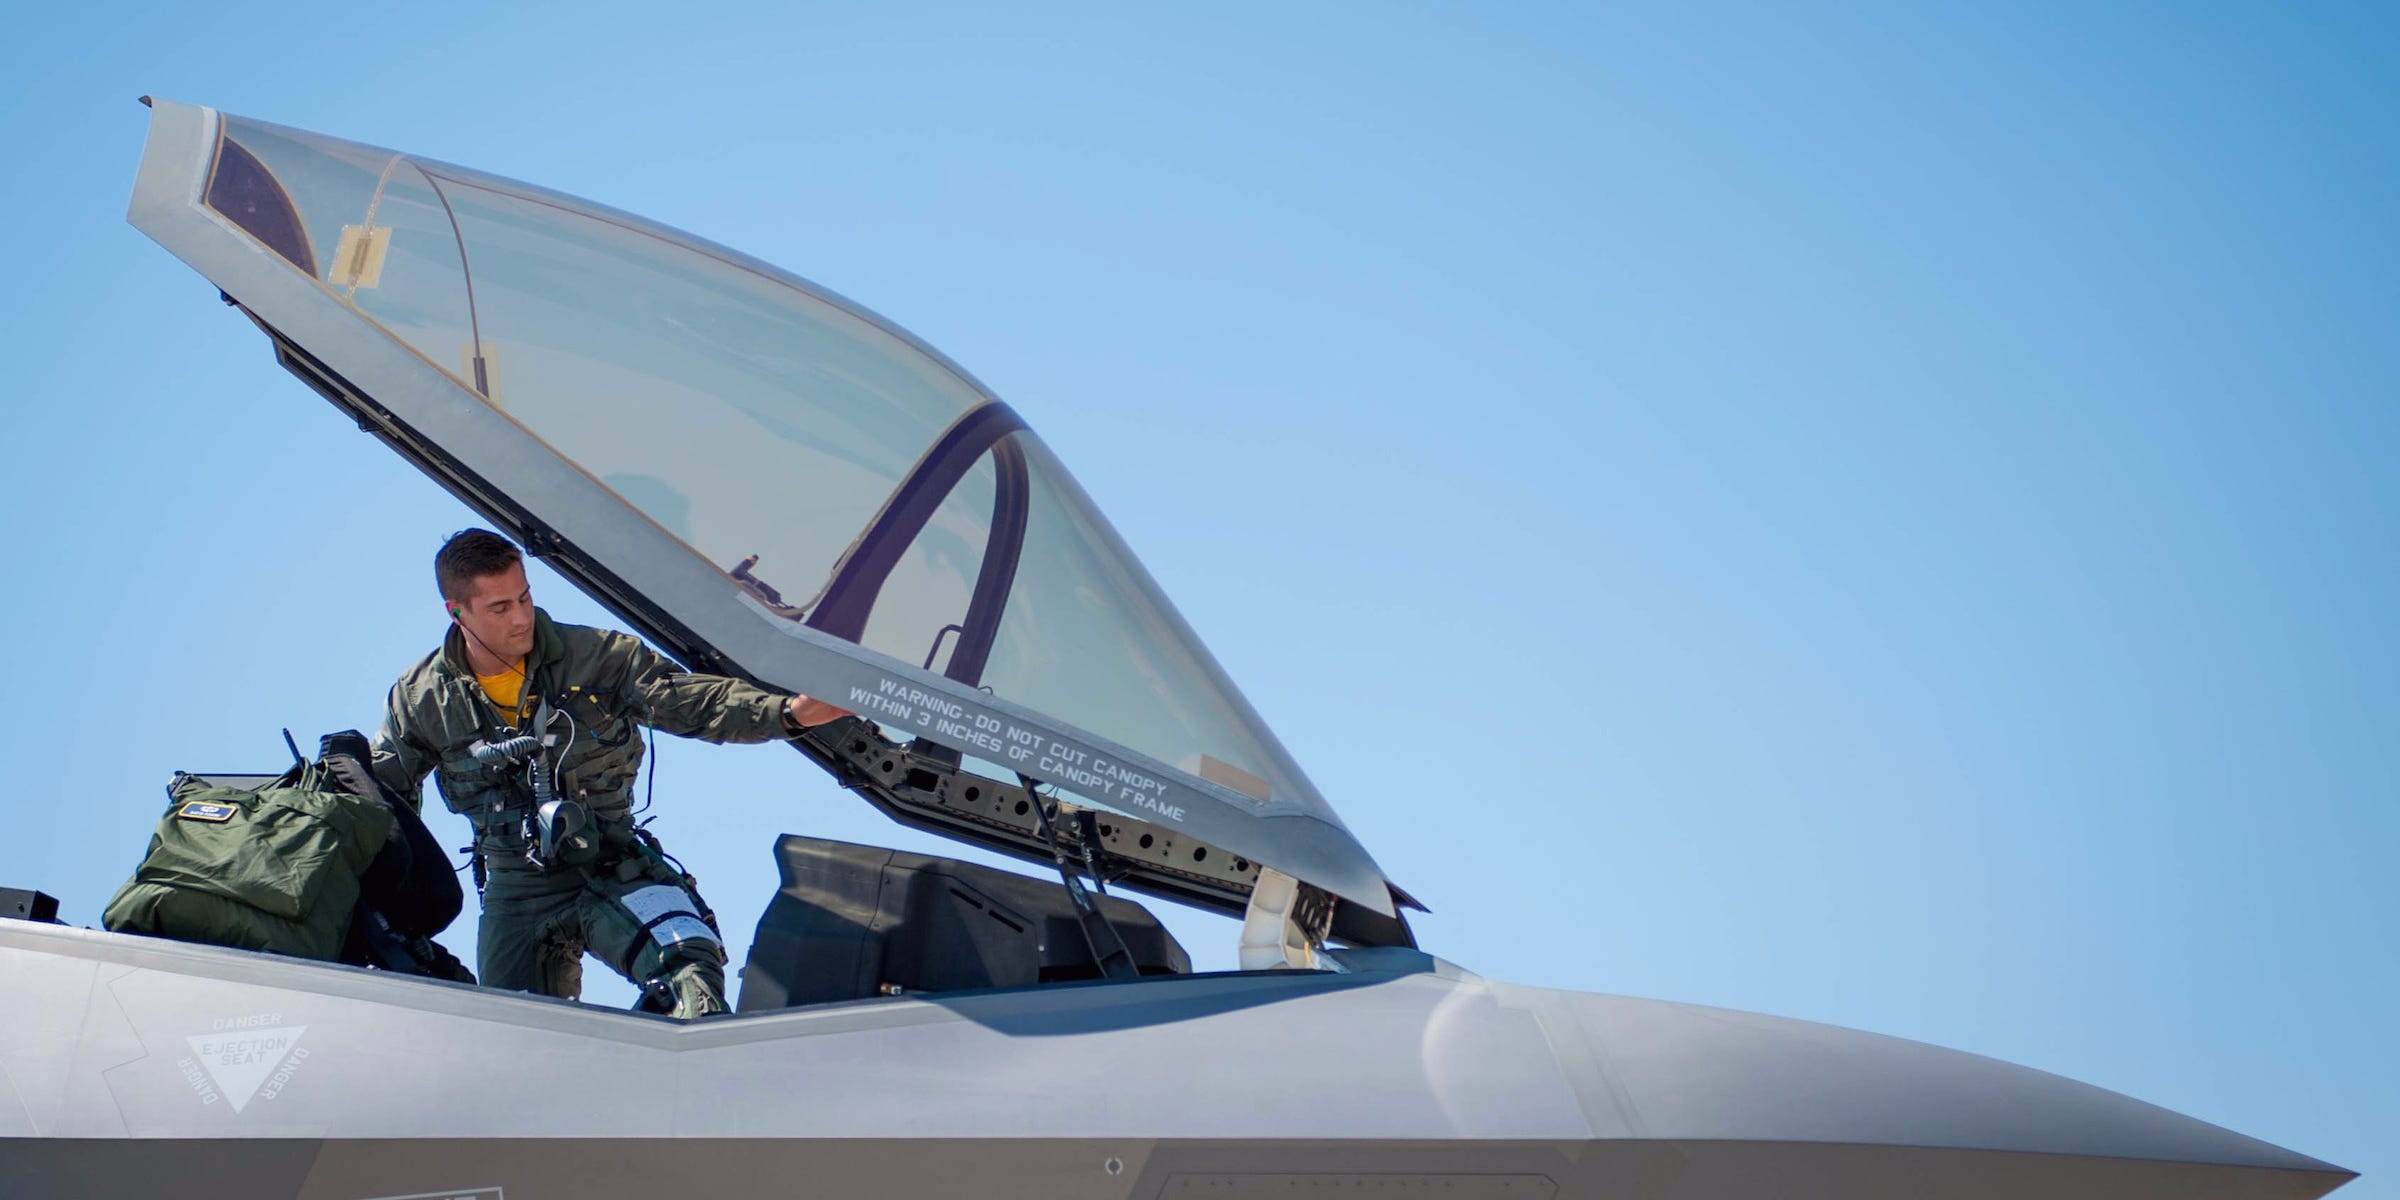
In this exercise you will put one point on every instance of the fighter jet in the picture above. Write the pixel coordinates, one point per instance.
(612, 392)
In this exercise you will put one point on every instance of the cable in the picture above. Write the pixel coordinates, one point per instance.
(649, 789)
(558, 769)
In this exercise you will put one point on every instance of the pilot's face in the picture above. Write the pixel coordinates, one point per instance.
(498, 612)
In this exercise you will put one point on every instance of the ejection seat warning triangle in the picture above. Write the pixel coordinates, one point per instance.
(241, 1060)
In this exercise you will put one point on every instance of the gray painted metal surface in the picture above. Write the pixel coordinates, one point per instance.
(125, 1049)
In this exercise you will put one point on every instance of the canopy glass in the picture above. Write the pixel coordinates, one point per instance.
(826, 464)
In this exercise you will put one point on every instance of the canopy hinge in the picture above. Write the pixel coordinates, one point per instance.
(1285, 926)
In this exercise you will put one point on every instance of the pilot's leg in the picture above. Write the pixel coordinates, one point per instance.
(530, 938)
(651, 928)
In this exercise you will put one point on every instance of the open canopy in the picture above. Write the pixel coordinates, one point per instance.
(769, 478)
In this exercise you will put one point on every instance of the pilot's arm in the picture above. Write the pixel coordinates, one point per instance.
(401, 761)
(713, 708)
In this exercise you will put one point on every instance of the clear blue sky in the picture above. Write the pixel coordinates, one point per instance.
(1883, 515)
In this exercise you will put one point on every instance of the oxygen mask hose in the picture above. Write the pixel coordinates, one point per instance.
(511, 750)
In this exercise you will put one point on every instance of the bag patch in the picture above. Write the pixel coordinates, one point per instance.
(202, 810)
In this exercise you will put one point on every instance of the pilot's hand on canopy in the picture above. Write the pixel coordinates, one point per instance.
(803, 712)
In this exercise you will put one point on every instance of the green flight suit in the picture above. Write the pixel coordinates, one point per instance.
(624, 903)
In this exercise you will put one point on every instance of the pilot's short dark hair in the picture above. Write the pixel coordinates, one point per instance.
(469, 555)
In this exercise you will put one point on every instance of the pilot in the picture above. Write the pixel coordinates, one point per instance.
(530, 727)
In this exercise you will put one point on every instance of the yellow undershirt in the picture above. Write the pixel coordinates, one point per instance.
(505, 690)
